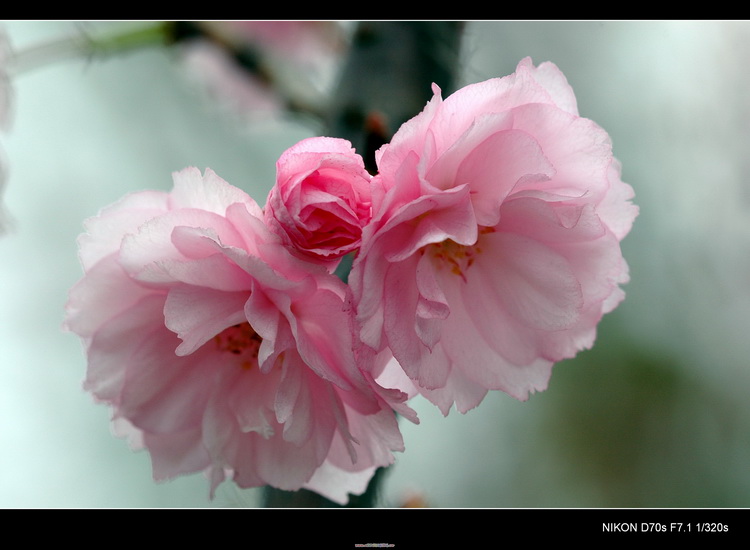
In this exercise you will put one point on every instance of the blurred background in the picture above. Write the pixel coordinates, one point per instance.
(655, 415)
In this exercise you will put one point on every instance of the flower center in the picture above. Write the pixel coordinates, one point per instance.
(241, 341)
(458, 258)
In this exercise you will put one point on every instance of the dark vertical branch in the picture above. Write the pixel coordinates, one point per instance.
(386, 81)
(388, 78)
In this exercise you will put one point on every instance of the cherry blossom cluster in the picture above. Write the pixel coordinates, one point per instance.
(485, 249)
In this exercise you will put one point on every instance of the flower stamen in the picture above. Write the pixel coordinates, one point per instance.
(458, 257)
(240, 340)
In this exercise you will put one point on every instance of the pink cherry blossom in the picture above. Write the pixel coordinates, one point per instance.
(221, 352)
(321, 199)
(494, 248)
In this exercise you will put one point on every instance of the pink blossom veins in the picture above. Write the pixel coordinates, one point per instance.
(486, 248)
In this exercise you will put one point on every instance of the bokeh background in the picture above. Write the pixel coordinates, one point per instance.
(655, 415)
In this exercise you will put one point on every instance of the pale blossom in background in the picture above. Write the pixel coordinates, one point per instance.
(210, 69)
(219, 351)
(265, 69)
(321, 199)
(304, 42)
(6, 93)
(494, 248)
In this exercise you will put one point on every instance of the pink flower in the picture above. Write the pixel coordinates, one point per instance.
(321, 199)
(494, 250)
(221, 352)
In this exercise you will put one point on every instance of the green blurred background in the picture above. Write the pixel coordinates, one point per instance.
(655, 415)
